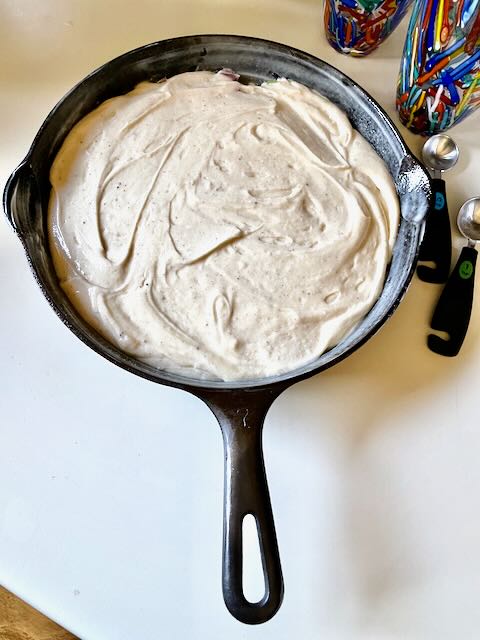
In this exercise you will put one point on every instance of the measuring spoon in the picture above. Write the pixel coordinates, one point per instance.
(454, 307)
(439, 154)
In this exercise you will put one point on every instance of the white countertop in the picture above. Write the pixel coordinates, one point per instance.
(111, 486)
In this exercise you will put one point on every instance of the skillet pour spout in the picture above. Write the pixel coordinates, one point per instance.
(240, 407)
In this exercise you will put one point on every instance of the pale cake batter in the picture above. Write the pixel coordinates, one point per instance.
(221, 230)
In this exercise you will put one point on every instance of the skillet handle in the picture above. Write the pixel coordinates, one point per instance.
(246, 492)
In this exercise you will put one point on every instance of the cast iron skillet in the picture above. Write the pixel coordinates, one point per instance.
(240, 407)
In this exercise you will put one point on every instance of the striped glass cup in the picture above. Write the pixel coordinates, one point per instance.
(357, 27)
(439, 79)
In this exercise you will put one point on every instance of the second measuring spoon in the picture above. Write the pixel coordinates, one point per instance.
(454, 307)
(439, 153)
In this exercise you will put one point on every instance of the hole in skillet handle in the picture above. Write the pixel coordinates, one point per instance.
(253, 578)
(241, 414)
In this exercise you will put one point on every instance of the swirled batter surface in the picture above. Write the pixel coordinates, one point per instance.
(221, 230)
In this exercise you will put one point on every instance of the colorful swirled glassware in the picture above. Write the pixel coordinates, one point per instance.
(357, 27)
(439, 79)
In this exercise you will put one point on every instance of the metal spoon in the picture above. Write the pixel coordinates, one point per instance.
(439, 154)
(454, 307)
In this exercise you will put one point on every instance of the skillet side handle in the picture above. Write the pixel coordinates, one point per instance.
(414, 189)
(246, 492)
(15, 182)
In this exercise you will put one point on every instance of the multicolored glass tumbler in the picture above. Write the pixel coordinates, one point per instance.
(357, 27)
(439, 80)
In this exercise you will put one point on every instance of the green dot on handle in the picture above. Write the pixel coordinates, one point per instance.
(465, 270)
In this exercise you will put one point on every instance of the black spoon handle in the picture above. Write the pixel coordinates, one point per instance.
(437, 242)
(454, 307)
